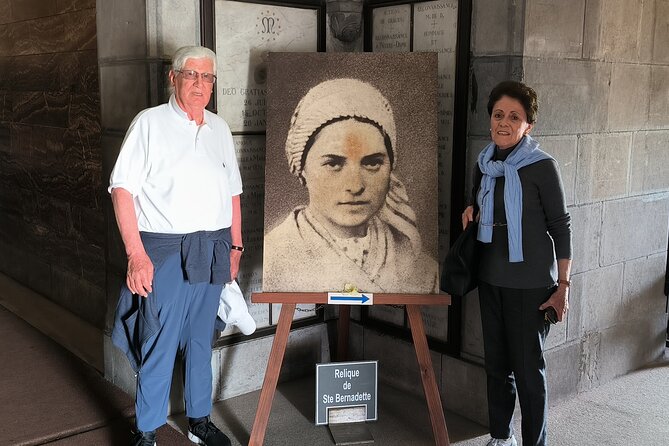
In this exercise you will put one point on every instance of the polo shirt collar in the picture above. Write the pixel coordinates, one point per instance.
(182, 114)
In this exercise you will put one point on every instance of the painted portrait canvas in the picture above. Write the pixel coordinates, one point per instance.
(351, 173)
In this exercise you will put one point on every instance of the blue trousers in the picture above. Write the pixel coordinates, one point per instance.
(187, 313)
(514, 332)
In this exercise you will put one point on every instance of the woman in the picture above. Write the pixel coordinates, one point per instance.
(358, 227)
(524, 227)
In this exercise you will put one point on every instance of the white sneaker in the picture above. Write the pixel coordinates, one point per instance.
(511, 441)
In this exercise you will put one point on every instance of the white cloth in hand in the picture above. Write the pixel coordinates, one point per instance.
(232, 309)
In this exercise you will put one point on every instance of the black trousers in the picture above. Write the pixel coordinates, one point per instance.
(514, 333)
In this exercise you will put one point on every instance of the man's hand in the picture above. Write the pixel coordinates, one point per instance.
(235, 257)
(140, 274)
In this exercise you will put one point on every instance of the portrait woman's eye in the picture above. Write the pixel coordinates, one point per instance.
(374, 162)
(333, 163)
(498, 115)
(515, 117)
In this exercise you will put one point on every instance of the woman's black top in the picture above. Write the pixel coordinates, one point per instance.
(546, 228)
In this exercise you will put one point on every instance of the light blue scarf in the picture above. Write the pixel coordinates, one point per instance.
(527, 152)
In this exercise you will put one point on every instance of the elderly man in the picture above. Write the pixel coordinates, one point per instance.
(175, 189)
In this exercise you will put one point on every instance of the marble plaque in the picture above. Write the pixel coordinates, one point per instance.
(245, 33)
(251, 158)
(302, 311)
(435, 320)
(435, 29)
(387, 313)
(391, 29)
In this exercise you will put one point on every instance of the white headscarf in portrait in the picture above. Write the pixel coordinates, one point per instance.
(352, 98)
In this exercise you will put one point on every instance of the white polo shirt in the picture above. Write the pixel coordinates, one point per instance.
(182, 176)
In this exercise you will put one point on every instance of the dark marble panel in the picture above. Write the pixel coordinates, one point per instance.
(74, 5)
(5, 141)
(73, 183)
(85, 112)
(114, 282)
(82, 259)
(5, 12)
(6, 100)
(89, 224)
(83, 298)
(41, 108)
(117, 261)
(26, 267)
(30, 9)
(75, 72)
(6, 73)
(62, 33)
(110, 145)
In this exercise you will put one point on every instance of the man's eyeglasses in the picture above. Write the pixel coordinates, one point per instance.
(191, 75)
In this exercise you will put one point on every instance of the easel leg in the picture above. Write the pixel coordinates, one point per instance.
(342, 332)
(272, 375)
(427, 375)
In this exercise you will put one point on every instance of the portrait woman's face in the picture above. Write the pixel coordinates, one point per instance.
(347, 173)
(508, 122)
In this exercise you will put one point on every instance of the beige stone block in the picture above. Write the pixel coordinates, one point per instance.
(595, 300)
(661, 37)
(497, 27)
(586, 230)
(563, 149)
(630, 345)
(554, 29)
(612, 30)
(629, 97)
(117, 368)
(603, 164)
(634, 227)
(647, 31)
(486, 73)
(398, 365)
(240, 368)
(557, 336)
(463, 387)
(650, 162)
(563, 367)
(573, 95)
(658, 112)
(643, 287)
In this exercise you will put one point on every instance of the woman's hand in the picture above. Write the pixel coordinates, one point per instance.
(140, 274)
(235, 257)
(558, 300)
(467, 216)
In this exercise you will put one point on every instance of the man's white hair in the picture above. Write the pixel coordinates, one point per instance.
(192, 52)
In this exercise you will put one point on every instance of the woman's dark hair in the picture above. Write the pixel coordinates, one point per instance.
(519, 91)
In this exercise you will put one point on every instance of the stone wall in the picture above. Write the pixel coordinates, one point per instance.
(52, 234)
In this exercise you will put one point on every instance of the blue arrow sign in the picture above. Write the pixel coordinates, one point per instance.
(350, 298)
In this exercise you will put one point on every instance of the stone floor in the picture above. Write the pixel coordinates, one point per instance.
(630, 410)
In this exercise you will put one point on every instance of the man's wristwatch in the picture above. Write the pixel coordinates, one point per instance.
(237, 248)
(564, 282)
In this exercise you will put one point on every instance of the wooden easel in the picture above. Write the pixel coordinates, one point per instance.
(413, 303)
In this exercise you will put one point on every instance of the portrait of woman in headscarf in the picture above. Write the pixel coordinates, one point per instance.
(358, 226)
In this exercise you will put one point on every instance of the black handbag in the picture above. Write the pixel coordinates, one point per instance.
(459, 274)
